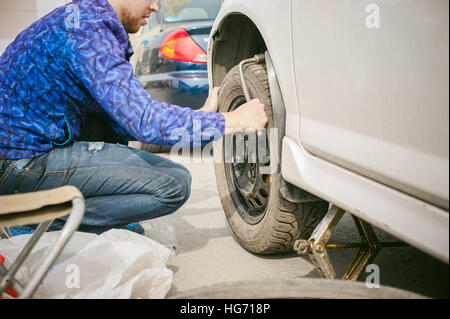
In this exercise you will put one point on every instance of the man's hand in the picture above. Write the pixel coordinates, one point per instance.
(249, 117)
(212, 103)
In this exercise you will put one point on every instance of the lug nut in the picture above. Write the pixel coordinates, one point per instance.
(302, 246)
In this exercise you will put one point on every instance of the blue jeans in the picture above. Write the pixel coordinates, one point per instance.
(120, 184)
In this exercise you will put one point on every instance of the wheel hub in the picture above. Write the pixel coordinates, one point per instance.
(250, 187)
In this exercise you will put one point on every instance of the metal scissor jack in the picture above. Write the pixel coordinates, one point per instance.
(316, 246)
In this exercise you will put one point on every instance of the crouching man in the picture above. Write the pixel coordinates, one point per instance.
(72, 65)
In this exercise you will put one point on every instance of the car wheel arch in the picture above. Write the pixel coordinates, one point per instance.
(228, 49)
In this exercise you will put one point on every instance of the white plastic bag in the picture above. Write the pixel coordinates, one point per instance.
(161, 230)
(115, 264)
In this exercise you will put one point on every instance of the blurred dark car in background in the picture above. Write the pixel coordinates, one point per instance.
(170, 51)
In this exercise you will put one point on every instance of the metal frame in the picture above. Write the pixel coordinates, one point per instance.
(7, 275)
(316, 246)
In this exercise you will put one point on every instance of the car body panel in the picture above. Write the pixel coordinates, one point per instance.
(183, 88)
(396, 179)
(375, 100)
(419, 224)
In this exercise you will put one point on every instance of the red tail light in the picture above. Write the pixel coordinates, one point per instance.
(179, 46)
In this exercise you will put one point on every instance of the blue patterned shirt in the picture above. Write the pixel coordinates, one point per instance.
(76, 60)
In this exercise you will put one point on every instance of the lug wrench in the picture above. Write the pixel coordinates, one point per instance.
(258, 59)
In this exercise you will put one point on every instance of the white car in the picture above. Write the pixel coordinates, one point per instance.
(359, 93)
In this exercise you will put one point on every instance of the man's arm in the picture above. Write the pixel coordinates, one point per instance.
(250, 116)
(98, 63)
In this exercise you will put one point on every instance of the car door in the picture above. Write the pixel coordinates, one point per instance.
(372, 84)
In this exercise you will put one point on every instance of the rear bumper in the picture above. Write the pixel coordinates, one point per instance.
(183, 88)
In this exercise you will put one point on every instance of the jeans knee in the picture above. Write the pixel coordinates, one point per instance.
(185, 180)
(175, 188)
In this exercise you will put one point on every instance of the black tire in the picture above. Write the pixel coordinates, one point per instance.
(280, 222)
(152, 148)
(155, 148)
(296, 288)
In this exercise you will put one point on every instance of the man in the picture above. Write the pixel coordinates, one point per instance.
(74, 62)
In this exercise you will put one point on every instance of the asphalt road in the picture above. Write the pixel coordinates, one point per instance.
(208, 253)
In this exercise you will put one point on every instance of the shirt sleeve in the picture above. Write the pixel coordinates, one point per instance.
(98, 62)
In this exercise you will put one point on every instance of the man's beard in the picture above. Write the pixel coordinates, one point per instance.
(131, 25)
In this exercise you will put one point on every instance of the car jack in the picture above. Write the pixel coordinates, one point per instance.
(316, 246)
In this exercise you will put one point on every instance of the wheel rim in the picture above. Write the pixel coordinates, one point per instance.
(249, 187)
